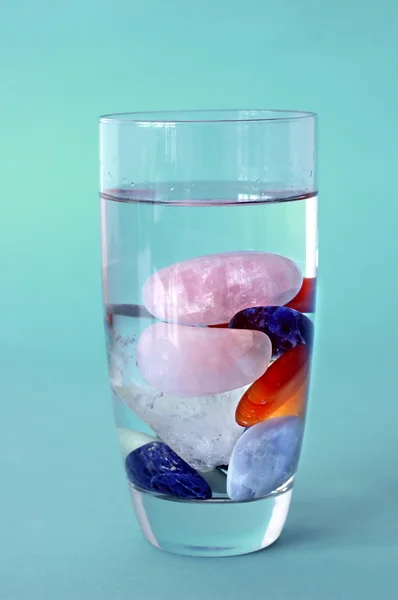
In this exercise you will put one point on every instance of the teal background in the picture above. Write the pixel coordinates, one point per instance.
(66, 526)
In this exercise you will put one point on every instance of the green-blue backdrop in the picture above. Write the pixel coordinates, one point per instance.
(67, 529)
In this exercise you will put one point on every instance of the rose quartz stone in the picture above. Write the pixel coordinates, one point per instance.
(211, 289)
(196, 361)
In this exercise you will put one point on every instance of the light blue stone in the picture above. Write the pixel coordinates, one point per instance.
(264, 458)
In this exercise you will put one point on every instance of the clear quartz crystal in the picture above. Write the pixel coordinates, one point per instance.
(203, 431)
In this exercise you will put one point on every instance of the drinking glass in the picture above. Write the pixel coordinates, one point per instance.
(209, 261)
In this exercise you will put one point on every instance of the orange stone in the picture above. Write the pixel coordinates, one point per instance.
(281, 391)
(305, 299)
(295, 405)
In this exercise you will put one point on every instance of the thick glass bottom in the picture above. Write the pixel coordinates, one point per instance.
(211, 528)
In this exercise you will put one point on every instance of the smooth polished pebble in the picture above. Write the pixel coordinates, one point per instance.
(130, 440)
(264, 458)
(284, 326)
(211, 289)
(305, 299)
(197, 361)
(157, 468)
(296, 404)
(284, 383)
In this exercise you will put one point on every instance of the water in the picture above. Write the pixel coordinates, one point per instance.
(145, 230)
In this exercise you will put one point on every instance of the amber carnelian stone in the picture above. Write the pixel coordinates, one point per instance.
(282, 390)
(295, 405)
(305, 299)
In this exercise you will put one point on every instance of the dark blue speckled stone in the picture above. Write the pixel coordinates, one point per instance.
(157, 468)
(285, 327)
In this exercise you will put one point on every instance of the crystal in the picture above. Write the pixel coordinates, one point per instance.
(265, 458)
(305, 299)
(197, 361)
(284, 383)
(284, 326)
(203, 431)
(210, 289)
(156, 468)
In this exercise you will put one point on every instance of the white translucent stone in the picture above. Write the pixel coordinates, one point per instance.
(202, 431)
(130, 440)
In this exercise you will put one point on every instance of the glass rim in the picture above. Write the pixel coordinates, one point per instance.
(229, 115)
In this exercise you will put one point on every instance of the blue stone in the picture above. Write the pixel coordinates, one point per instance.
(264, 458)
(155, 467)
(285, 327)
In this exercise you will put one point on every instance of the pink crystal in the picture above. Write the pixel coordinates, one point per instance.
(196, 361)
(211, 289)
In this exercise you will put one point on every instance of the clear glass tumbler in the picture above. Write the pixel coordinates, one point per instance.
(209, 239)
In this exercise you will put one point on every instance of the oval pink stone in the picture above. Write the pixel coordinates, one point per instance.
(197, 361)
(210, 290)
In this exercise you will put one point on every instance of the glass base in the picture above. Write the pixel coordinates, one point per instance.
(213, 527)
